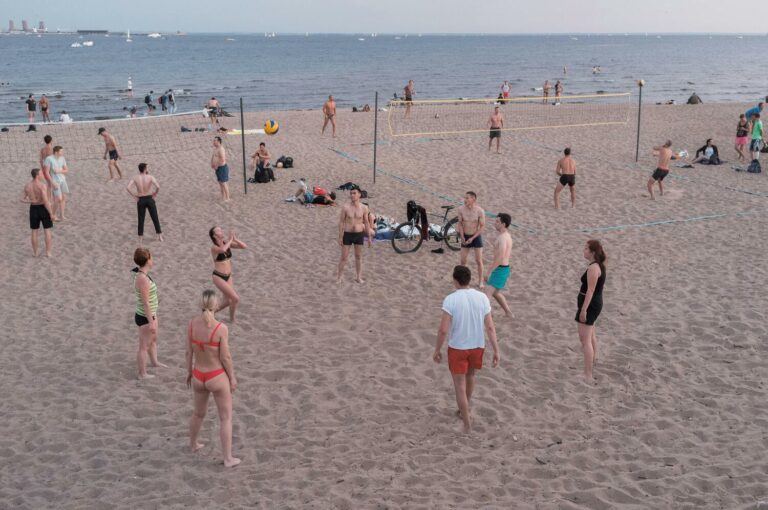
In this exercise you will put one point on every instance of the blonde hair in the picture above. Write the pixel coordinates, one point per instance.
(210, 303)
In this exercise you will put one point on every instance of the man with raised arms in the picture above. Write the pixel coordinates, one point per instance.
(496, 123)
(665, 155)
(219, 165)
(36, 195)
(329, 115)
(354, 224)
(470, 228)
(110, 149)
(499, 273)
(566, 170)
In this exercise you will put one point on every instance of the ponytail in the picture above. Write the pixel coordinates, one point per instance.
(210, 302)
(597, 251)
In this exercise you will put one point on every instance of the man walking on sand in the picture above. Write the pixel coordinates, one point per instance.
(465, 321)
(219, 165)
(499, 273)
(662, 169)
(36, 195)
(354, 223)
(566, 170)
(110, 149)
(329, 114)
(470, 228)
(496, 123)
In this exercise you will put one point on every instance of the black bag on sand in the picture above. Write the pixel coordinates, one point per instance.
(754, 167)
(288, 162)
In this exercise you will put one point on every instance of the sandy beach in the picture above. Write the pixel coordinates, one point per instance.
(339, 403)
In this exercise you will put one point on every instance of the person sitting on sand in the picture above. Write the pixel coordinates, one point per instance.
(260, 158)
(695, 99)
(210, 370)
(146, 311)
(221, 251)
(708, 154)
(465, 321)
(590, 303)
(64, 118)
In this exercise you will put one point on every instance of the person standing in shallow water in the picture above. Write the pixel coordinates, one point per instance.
(590, 303)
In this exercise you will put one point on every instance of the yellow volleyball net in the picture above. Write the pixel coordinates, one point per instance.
(457, 116)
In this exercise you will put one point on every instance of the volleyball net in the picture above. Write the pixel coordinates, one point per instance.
(81, 141)
(457, 116)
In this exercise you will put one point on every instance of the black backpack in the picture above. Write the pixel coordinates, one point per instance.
(754, 167)
(288, 162)
(147, 99)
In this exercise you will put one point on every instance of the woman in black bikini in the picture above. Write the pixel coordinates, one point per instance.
(221, 251)
(590, 303)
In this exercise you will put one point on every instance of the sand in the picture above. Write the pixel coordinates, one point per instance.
(339, 404)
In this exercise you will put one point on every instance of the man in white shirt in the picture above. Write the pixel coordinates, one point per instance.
(65, 118)
(465, 321)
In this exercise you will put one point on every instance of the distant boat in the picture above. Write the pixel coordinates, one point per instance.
(740, 37)
(397, 37)
(360, 39)
(75, 45)
(229, 39)
(154, 35)
(128, 36)
(306, 35)
(88, 43)
(574, 38)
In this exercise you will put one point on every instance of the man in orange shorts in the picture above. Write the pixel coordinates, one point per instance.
(465, 321)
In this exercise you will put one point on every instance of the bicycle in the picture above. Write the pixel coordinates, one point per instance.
(408, 236)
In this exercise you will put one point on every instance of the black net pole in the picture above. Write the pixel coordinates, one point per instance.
(375, 131)
(639, 110)
(242, 141)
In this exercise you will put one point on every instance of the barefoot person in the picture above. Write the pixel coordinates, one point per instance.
(756, 143)
(465, 320)
(219, 165)
(409, 91)
(147, 188)
(590, 303)
(146, 311)
(214, 110)
(329, 114)
(499, 273)
(44, 105)
(470, 228)
(354, 223)
(55, 170)
(558, 90)
(496, 123)
(742, 137)
(221, 251)
(210, 370)
(665, 155)
(566, 170)
(36, 195)
(110, 149)
(545, 92)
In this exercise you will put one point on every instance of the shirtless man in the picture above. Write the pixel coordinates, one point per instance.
(47, 149)
(329, 114)
(470, 227)
(499, 273)
(409, 91)
(545, 90)
(496, 123)
(354, 223)
(566, 170)
(261, 157)
(662, 168)
(147, 188)
(44, 105)
(214, 108)
(110, 149)
(36, 195)
(558, 91)
(219, 165)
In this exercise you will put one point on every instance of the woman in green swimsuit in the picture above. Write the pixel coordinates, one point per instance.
(146, 311)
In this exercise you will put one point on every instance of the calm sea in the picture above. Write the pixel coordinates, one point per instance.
(298, 71)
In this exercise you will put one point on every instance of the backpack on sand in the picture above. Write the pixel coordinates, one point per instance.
(754, 167)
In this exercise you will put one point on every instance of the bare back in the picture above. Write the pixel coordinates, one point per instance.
(206, 357)
(146, 185)
(35, 192)
(110, 142)
(566, 166)
(46, 151)
(503, 249)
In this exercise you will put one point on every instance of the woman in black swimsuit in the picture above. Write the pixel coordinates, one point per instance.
(590, 303)
(221, 251)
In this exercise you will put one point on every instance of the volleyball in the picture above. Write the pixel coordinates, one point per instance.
(271, 127)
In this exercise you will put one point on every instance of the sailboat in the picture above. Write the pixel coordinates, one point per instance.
(128, 36)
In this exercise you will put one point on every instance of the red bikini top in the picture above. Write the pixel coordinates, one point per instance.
(210, 342)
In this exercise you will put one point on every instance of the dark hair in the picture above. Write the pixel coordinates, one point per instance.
(597, 250)
(47, 138)
(472, 194)
(102, 129)
(151, 91)
(757, 115)
(217, 138)
(462, 275)
(141, 256)
(57, 148)
(708, 140)
(210, 234)
(505, 218)
(34, 172)
(142, 167)
(31, 95)
(262, 143)
(332, 195)
(668, 143)
(355, 189)
(567, 151)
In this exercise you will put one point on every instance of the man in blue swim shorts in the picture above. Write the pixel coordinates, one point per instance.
(497, 278)
(219, 165)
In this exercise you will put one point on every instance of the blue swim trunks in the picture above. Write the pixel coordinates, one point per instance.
(499, 276)
(222, 173)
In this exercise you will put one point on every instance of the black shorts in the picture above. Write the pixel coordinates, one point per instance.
(140, 320)
(495, 133)
(408, 99)
(593, 311)
(476, 243)
(659, 174)
(39, 214)
(350, 238)
(568, 179)
(113, 154)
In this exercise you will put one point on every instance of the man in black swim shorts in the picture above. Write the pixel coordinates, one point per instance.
(665, 155)
(110, 149)
(566, 170)
(36, 195)
(496, 123)
(354, 224)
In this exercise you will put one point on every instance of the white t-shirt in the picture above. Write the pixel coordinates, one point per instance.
(708, 152)
(65, 118)
(505, 88)
(55, 165)
(467, 308)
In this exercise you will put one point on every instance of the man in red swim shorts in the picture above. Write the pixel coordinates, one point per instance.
(466, 320)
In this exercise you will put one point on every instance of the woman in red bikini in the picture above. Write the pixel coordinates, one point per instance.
(208, 346)
(221, 251)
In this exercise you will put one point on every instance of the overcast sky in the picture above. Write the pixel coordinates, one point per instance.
(387, 16)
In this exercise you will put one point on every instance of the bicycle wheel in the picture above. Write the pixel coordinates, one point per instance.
(451, 235)
(407, 238)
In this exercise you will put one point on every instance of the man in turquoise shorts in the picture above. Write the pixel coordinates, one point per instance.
(497, 278)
